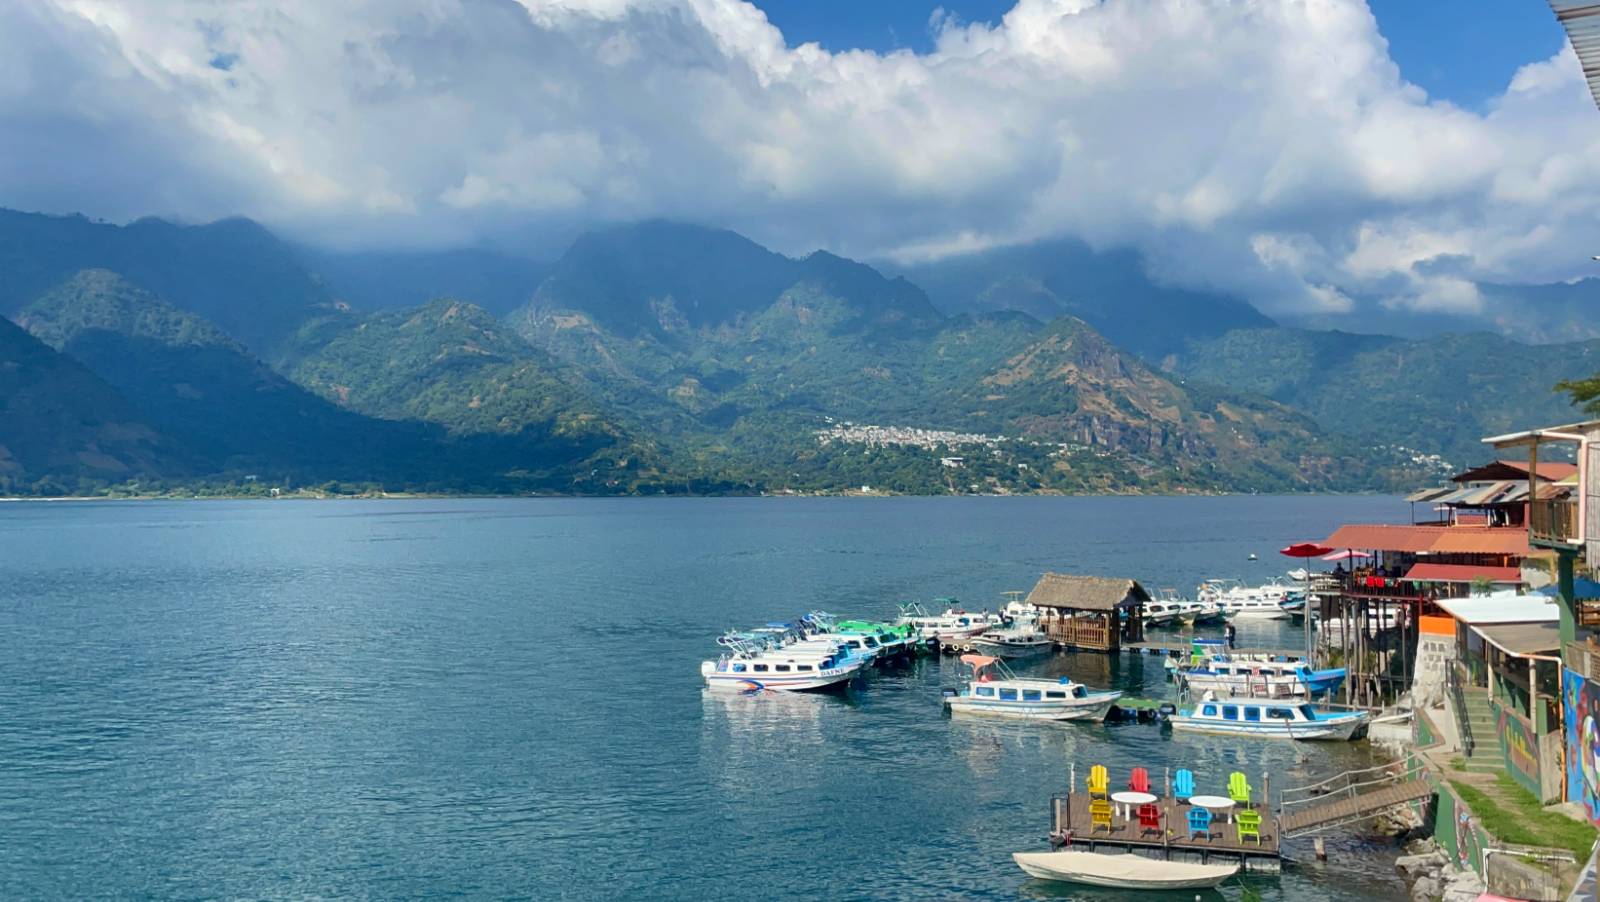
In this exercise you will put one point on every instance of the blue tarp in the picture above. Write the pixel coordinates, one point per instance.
(1581, 588)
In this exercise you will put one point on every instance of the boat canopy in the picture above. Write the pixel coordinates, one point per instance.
(978, 662)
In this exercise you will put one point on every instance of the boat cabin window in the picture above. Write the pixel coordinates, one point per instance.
(1054, 694)
(761, 668)
(1209, 711)
(1030, 695)
(1230, 712)
(1307, 712)
(1280, 714)
(987, 691)
(1008, 694)
(738, 668)
(803, 667)
(781, 668)
(1252, 713)
(1079, 692)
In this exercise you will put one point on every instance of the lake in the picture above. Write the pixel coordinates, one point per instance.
(501, 698)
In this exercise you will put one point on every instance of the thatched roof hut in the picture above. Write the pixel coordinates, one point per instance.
(1086, 593)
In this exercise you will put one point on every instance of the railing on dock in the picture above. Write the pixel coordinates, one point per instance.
(1354, 795)
(1458, 708)
(1082, 632)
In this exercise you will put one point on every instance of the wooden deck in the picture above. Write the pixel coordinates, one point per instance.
(1342, 809)
(1071, 815)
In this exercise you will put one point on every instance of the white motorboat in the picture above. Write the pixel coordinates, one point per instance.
(1163, 613)
(1235, 716)
(1248, 602)
(1258, 676)
(952, 624)
(807, 664)
(1013, 642)
(1122, 871)
(994, 690)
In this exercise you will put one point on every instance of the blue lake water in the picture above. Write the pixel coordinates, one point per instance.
(501, 698)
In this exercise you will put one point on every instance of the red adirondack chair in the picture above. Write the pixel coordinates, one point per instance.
(1139, 781)
(1149, 819)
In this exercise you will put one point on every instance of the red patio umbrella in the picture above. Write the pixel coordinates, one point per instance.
(1306, 550)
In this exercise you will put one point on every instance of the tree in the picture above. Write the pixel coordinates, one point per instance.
(1585, 392)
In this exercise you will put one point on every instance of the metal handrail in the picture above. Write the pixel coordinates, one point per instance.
(1396, 771)
(1458, 705)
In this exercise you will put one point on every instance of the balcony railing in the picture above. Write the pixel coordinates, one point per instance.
(1553, 521)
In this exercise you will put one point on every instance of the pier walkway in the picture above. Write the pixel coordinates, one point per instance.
(1352, 796)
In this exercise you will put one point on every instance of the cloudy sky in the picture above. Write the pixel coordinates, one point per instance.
(1270, 147)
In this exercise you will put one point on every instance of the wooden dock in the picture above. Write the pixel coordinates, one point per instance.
(1070, 820)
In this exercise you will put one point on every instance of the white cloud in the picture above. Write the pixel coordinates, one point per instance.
(1264, 146)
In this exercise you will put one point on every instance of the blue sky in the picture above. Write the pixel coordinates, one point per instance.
(1463, 52)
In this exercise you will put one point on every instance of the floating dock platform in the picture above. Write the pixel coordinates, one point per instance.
(1070, 824)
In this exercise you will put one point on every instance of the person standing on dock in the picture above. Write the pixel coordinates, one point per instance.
(1229, 633)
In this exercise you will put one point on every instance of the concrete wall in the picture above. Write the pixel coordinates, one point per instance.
(1436, 653)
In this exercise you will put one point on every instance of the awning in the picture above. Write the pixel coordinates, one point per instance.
(1385, 538)
(1501, 607)
(1482, 540)
(1523, 638)
(1582, 589)
(1461, 573)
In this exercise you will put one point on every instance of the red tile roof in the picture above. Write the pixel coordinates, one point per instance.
(1461, 573)
(1437, 539)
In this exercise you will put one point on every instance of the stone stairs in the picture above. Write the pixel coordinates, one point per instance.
(1485, 757)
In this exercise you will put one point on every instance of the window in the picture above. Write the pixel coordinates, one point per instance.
(1079, 692)
(1280, 714)
(1030, 695)
(986, 691)
(1230, 712)
(761, 668)
(738, 668)
(1209, 710)
(1054, 694)
(1308, 712)
(1252, 714)
(1008, 695)
(803, 667)
(781, 668)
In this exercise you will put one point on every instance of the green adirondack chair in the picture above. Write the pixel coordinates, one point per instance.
(1239, 789)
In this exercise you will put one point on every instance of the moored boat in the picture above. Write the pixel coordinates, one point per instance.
(1255, 675)
(1122, 871)
(1015, 642)
(995, 690)
(1235, 716)
(805, 665)
(952, 624)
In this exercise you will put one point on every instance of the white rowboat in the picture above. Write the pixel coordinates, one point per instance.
(1122, 871)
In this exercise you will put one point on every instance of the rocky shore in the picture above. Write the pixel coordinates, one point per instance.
(1430, 876)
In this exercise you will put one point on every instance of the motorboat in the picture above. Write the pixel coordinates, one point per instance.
(1163, 613)
(1258, 675)
(1122, 871)
(805, 665)
(893, 639)
(952, 624)
(995, 690)
(1235, 716)
(1248, 602)
(1013, 642)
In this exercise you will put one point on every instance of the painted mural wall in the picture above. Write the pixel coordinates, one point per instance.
(1582, 731)
(1519, 747)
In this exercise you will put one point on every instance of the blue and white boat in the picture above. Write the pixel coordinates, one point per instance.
(995, 691)
(1233, 716)
(1259, 676)
(807, 664)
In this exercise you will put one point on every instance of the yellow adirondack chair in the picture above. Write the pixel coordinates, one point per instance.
(1099, 815)
(1239, 789)
(1249, 823)
(1099, 782)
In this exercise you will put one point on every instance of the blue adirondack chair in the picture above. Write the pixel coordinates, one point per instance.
(1199, 823)
(1183, 785)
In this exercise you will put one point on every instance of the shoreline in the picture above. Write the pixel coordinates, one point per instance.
(452, 496)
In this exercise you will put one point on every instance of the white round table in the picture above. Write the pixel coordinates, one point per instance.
(1129, 799)
(1217, 805)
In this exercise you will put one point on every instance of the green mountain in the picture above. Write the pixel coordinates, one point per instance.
(233, 273)
(1110, 290)
(386, 280)
(1438, 396)
(62, 428)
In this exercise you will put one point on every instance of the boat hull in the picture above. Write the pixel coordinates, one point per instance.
(1341, 730)
(1092, 708)
(833, 678)
(1005, 650)
(1121, 871)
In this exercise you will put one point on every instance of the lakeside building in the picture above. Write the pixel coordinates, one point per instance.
(1092, 613)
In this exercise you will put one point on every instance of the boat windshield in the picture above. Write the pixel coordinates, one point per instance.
(1308, 712)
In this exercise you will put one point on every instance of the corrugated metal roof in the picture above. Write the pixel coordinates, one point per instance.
(1437, 539)
(1461, 573)
(1523, 638)
(1433, 494)
(1501, 607)
(1581, 19)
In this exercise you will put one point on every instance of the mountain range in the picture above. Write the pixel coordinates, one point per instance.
(664, 357)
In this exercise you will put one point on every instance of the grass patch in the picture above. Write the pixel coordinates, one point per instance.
(1458, 763)
(1519, 818)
